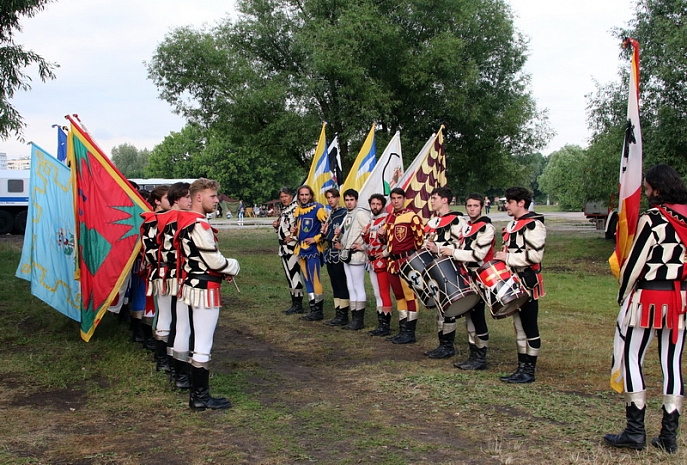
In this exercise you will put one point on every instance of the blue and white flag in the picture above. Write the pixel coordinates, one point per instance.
(47, 259)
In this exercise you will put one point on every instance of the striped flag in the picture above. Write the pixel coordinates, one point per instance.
(364, 163)
(630, 188)
(629, 197)
(320, 176)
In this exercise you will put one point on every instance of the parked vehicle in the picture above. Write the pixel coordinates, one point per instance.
(604, 215)
(14, 200)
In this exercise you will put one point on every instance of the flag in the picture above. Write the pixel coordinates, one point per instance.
(364, 163)
(387, 172)
(334, 156)
(629, 198)
(108, 221)
(61, 143)
(630, 187)
(320, 175)
(48, 255)
(427, 172)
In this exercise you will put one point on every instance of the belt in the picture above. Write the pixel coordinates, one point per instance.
(206, 277)
(398, 256)
(661, 285)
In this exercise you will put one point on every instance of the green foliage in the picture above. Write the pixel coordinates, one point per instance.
(659, 27)
(563, 179)
(267, 81)
(130, 161)
(14, 59)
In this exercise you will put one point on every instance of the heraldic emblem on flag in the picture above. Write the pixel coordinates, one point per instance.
(108, 220)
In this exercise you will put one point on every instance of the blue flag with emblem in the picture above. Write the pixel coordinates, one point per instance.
(48, 260)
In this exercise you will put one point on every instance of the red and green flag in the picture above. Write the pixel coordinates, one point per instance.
(107, 211)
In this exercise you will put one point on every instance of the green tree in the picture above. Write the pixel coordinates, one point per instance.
(130, 161)
(14, 59)
(563, 177)
(269, 79)
(659, 27)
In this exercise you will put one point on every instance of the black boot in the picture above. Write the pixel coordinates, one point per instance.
(338, 318)
(316, 311)
(436, 349)
(148, 339)
(408, 335)
(476, 361)
(525, 372)
(383, 326)
(296, 306)
(200, 398)
(161, 358)
(634, 435)
(401, 328)
(522, 359)
(181, 375)
(137, 334)
(357, 320)
(667, 439)
(446, 348)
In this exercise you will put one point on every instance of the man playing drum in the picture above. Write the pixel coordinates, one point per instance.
(442, 231)
(403, 234)
(476, 246)
(523, 249)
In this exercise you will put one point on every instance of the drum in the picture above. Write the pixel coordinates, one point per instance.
(503, 292)
(413, 272)
(451, 286)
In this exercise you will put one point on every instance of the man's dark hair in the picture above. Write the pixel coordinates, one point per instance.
(351, 193)
(334, 191)
(286, 190)
(443, 192)
(518, 194)
(157, 194)
(475, 196)
(668, 183)
(177, 191)
(398, 191)
(379, 197)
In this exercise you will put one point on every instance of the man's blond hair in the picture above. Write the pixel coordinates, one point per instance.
(202, 184)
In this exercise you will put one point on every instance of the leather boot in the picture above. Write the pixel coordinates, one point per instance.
(526, 374)
(383, 325)
(446, 348)
(357, 318)
(408, 335)
(200, 398)
(137, 330)
(296, 306)
(476, 361)
(667, 439)
(401, 329)
(161, 358)
(338, 318)
(634, 435)
(316, 311)
(522, 358)
(436, 349)
(181, 375)
(148, 339)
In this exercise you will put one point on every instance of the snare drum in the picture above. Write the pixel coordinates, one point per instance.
(413, 272)
(503, 292)
(451, 286)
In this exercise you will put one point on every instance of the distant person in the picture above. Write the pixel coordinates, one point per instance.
(652, 298)
(487, 205)
(241, 212)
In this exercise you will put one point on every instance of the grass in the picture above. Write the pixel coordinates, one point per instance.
(307, 393)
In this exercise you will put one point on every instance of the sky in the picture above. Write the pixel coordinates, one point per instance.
(101, 47)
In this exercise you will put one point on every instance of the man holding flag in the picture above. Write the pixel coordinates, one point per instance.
(652, 298)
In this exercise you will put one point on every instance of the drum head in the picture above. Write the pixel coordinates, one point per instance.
(462, 305)
(509, 309)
